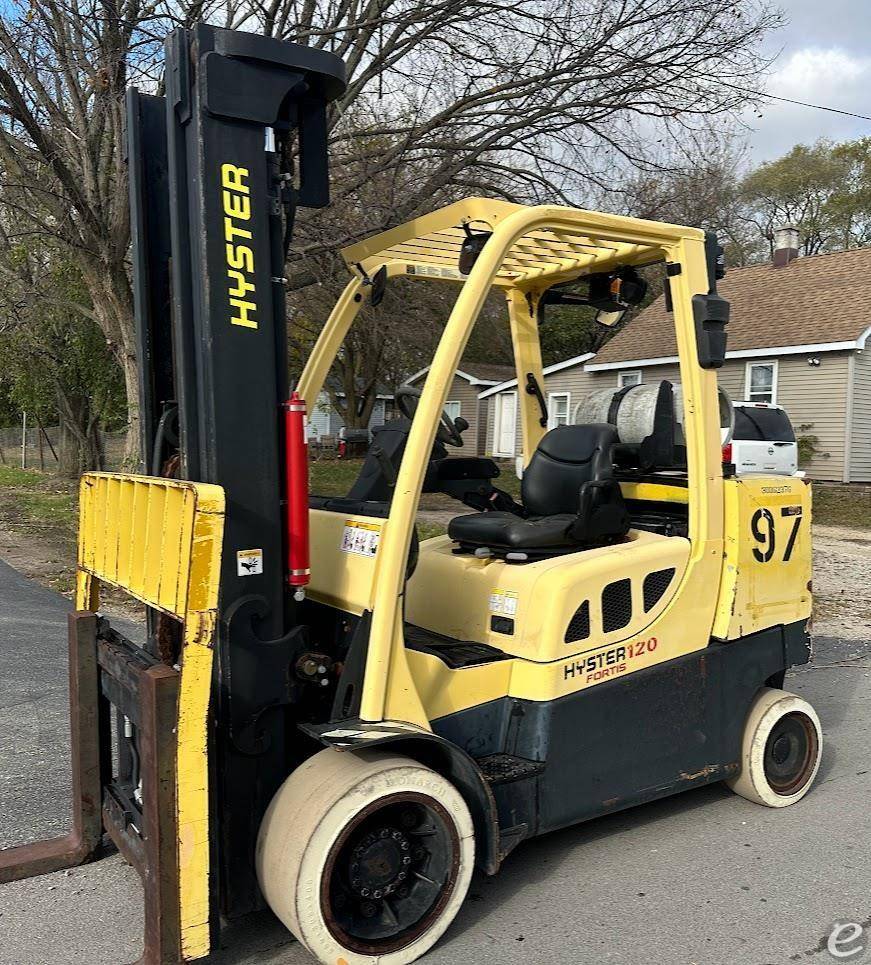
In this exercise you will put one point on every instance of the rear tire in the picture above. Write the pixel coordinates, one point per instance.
(366, 857)
(781, 750)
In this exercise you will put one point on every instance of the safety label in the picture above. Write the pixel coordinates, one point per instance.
(249, 562)
(361, 538)
(504, 602)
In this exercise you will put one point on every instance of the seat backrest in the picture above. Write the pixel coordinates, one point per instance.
(385, 453)
(566, 457)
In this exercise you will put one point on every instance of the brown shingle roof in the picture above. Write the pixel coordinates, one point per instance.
(814, 300)
(488, 372)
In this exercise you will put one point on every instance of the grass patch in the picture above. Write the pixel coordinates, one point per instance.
(427, 529)
(846, 506)
(20, 478)
(333, 477)
(35, 502)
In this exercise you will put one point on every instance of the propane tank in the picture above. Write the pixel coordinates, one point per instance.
(296, 494)
(633, 412)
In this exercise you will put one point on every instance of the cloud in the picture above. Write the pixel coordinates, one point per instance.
(834, 77)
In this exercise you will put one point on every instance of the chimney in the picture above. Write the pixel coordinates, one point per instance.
(785, 245)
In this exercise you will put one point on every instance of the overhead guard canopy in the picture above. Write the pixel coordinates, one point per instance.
(430, 246)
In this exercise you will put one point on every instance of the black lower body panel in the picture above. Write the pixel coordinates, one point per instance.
(629, 740)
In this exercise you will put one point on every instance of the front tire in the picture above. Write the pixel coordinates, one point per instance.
(366, 857)
(781, 750)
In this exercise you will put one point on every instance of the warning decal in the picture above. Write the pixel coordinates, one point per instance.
(361, 538)
(249, 562)
(504, 602)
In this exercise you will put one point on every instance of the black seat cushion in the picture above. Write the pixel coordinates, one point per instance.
(505, 531)
(570, 499)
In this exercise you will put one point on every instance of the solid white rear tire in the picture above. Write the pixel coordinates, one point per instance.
(771, 716)
(312, 815)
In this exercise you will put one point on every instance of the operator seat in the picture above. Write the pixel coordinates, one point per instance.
(570, 500)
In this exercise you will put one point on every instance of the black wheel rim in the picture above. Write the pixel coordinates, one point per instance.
(791, 753)
(390, 874)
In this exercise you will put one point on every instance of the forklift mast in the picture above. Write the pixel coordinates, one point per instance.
(213, 198)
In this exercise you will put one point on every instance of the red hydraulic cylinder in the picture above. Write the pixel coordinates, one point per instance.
(296, 493)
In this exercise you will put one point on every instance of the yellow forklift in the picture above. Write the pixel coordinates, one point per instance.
(330, 716)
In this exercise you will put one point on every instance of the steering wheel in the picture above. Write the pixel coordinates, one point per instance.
(407, 399)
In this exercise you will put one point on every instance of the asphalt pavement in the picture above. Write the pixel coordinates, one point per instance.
(704, 878)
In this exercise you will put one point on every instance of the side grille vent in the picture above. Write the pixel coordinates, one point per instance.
(579, 627)
(655, 585)
(616, 605)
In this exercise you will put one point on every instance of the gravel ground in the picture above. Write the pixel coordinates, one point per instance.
(842, 582)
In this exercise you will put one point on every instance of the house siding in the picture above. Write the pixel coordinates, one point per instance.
(325, 420)
(815, 397)
(860, 436)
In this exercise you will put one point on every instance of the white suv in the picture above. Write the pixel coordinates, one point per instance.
(763, 440)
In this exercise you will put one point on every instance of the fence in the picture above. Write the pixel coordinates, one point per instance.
(40, 447)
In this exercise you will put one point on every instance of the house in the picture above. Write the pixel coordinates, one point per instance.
(797, 337)
(463, 397)
(325, 420)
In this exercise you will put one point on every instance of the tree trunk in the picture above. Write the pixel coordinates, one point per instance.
(132, 444)
(112, 299)
(81, 445)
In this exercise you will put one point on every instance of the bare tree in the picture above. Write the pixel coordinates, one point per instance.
(64, 68)
(518, 98)
(698, 184)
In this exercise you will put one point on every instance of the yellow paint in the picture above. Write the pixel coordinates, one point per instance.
(522, 312)
(338, 578)
(160, 540)
(754, 592)
(655, 492)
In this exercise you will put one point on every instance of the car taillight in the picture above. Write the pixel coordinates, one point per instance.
(727, 452)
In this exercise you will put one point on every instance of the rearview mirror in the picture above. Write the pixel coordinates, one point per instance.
(610, 319)
(613, 294)
(379, 286)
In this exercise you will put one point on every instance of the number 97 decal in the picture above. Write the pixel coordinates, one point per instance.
(765, 533)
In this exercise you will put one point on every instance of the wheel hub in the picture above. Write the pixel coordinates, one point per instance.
(790, 753)
(380, 863)
(390, 874)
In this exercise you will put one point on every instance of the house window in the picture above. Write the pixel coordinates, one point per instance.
(557, 409)
(453, 409)
(761, 382)
(628, 378)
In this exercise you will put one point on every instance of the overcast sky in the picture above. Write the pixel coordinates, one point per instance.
(824, 56)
